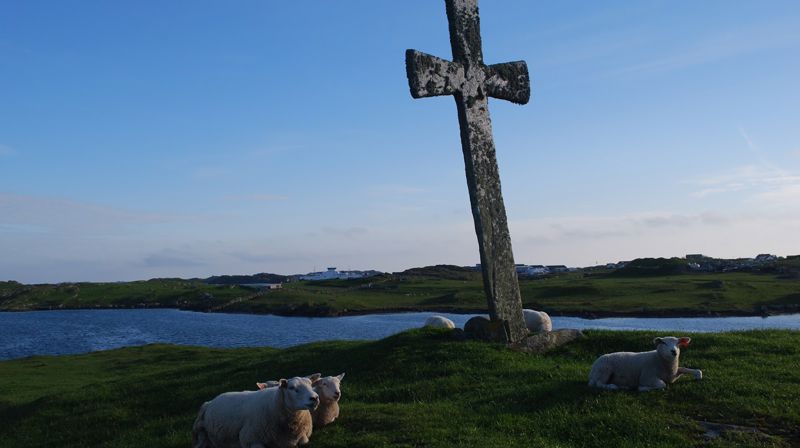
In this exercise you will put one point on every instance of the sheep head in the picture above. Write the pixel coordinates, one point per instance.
(670, 347)
(329, 387)
(298, 394)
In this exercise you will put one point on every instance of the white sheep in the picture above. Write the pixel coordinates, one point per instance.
(274, 417)
(439, 322)
(645, 370)
(537, 321)
(329, 391)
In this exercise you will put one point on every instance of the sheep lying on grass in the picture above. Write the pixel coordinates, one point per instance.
(645, 371)
(274, 417)
(439, 322)
(329, 391)
(537, 321)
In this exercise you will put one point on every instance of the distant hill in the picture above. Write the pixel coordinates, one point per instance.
(647, 267)
(246, 279)
(445, 271)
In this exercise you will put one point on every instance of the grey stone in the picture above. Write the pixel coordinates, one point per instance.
(471, 82)
(546, 340)
(484, 329)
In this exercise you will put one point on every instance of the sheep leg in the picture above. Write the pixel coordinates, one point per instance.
(697, 373)
(657, 384)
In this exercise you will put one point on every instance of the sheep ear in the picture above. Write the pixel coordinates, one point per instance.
(261, 385)
(684, 342)
(340, 376)
(314, 377)
(657, 341)
(283, 383)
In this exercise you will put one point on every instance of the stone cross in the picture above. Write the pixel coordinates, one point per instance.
(471, 82)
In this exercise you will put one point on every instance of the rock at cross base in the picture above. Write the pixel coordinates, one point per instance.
(546, 340)
(471, 83)
(484, 329)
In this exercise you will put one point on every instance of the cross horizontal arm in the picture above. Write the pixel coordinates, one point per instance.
(431, 76)
(508, 81)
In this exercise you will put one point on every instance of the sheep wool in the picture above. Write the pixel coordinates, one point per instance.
(329, 390)
(644, 370)
(278, 416)
(537, 321)
(439, 322)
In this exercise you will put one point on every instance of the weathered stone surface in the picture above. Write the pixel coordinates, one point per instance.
(471, 82)
(483, 329)
(546, 340)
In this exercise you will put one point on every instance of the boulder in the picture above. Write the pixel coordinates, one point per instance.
(546, 341)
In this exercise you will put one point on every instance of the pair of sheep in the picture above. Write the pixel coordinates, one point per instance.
(278, 416)
(329, 391)
(536, 321)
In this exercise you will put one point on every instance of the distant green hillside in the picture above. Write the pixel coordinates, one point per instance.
(644, 287)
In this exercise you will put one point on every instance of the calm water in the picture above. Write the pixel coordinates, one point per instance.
(67, 332)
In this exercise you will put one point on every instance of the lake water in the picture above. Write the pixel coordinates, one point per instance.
(80, 331)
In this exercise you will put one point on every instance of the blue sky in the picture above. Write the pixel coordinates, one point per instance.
(152, 139)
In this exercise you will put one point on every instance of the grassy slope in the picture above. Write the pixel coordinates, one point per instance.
(419, 388)
(687, 294)
(156, 293)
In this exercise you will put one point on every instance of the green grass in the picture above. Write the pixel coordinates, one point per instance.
(173, 293)
(419, 388)
(429, 289)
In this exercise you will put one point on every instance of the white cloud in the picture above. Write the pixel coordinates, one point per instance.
(768, 185)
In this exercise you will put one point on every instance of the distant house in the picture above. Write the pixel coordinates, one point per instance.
(333, 274)
(262, 285)
(763, 258)
(531, 270)
(557, 268)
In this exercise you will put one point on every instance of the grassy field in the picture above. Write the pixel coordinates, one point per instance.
(437, 290)
(419, 388)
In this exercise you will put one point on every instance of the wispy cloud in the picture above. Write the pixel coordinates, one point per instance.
(718, 47)
(393, 190)
(171, 258)
(66, 216)
(765, 182)
(347, 232)
(577, 240)
(267, 257)
(7, 151)
(762, 181)
(256, 198)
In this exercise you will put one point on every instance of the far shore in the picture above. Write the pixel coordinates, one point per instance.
(327, 312)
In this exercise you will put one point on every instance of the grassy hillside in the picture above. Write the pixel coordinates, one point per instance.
(642, 291)
(419, 388)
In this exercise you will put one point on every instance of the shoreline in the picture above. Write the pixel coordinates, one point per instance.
(290, 311)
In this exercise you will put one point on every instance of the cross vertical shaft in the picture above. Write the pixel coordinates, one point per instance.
(471, 82)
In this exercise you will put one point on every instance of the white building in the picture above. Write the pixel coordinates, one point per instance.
(332, 274)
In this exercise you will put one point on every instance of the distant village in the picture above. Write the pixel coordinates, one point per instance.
(694, 263)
